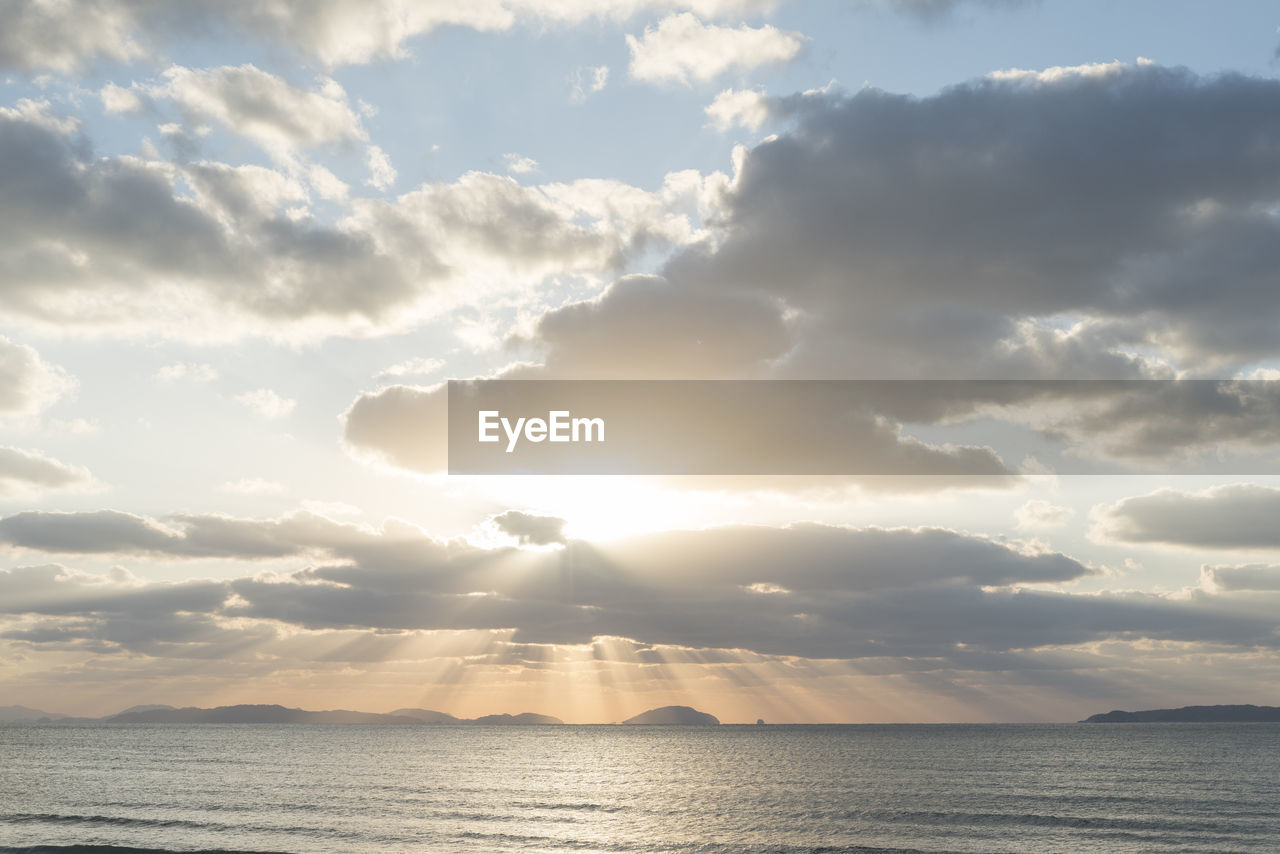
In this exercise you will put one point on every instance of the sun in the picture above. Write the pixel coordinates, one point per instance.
(601, 507)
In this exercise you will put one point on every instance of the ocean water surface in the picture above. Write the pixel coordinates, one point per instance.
(914, 788)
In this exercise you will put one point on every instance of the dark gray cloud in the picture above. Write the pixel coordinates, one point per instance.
(704, 334)
(1137, 421)
(894, 601)
(1027, 225)
(938, 10)
(915, 232)
(211, 536)
(56, 590)
(1252, 578)
(1234, 516)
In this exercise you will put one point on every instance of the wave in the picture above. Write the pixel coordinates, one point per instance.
(117, 849)
(585, 807)
(1157, 825)
(118, 821)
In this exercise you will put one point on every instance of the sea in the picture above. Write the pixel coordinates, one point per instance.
(908, 788)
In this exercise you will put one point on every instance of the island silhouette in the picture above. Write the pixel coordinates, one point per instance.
(673, 716)
(277, 714)
(1190, 714)
(273, 714)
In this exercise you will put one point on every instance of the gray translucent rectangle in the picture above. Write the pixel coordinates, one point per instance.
(863, 427)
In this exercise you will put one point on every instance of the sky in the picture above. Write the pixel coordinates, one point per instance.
(245, 244)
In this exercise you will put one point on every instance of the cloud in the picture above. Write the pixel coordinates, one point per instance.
(825, 442)
(405, 426)
(1250, 578)
(64, 36)
(906, 234)
(28, 384)
(255, 104)
(419, 366)
(889, 236)
(1231, 516)
(936, 10)
(518, 165)
(530, 529)
(927, 613)
(1038, 513)
(886, 236)
(587, 81)
(69, 36)
(805, 590)
(682, 49)
(708, 334)
(327, 185)
(267, 404)
(732, 108)
(252, 486)
(207, 250)
(202, 536)
(284, 120)
(196, 372)
(381, 173)
(55, 589)
(1150, 421)
(25, 472)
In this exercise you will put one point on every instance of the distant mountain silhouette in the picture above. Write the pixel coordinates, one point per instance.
(522, 719)
(11, 714)
(427, 716)
(275, 714)
(253, 715)
(673, 715)
(1191, 714)
(144, 708)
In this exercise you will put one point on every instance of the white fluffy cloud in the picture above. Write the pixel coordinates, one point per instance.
(1038, 513)
(267, 404)
(587, 81)
(65, 36)
(253, 486)
(738, 108)
(682, 49)
(196, 372)
(518, 165)
(62, 36)
(381, 173)
(262, 107)
(419, 366)
(28, 384)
